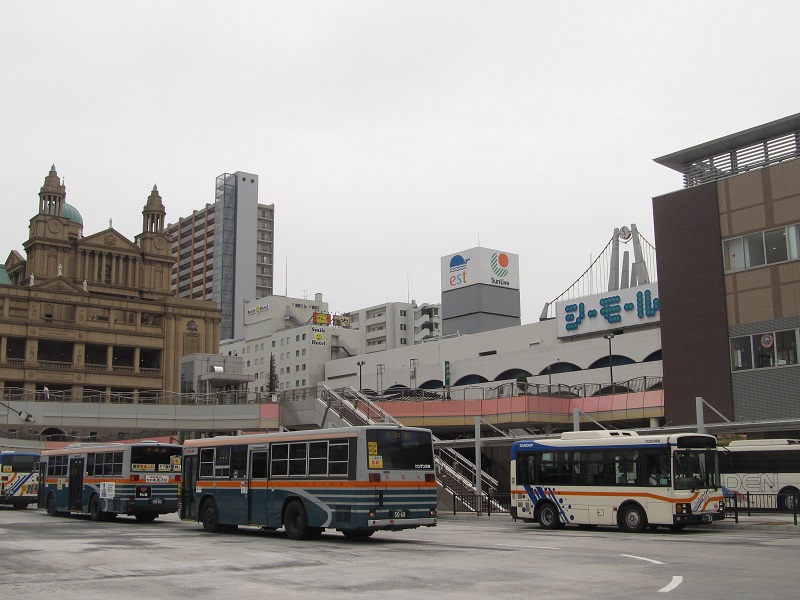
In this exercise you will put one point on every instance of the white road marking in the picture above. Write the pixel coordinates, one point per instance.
(676, 581)
(650, 560)
(528, 547)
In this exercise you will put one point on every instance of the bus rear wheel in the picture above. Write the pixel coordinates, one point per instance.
(633, 519)
(210, 516)
(94, 509)
(51, 505)
(295, 521)
(357, 534)
(788, 498)
(146, 517)
(548, 516)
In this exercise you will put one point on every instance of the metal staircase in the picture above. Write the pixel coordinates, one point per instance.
(454, 473)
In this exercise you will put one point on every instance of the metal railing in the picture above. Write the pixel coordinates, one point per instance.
(492, 502)
(748, 503)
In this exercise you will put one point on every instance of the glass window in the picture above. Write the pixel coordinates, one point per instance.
(793, 241)
(741, 357)
(754, 249)
(318, 458)
(734, 254)
(260, 466)
(239, 462)
(338, 453)
(786, 347)
(280, 460)
(764, 350)
(399, 449)
(775, 242)
(207, 462)
(297, 459)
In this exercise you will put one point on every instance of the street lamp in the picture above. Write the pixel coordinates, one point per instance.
(609, 337)
(360, 364)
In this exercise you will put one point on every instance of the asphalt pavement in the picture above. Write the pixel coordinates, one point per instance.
(777, 522)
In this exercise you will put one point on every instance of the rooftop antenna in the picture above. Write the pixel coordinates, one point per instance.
(408, 288)
(286, 276)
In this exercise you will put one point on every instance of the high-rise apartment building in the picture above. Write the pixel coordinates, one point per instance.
(225, 251)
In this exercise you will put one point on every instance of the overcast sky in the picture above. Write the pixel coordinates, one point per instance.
(387, 134)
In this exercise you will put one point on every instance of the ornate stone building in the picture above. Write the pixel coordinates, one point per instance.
(94, 318)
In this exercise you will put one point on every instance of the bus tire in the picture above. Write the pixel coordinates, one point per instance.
(548, 517)
(357, 534)
(633, 519)
(788, 498)
(51, 505)
(295, 521)
(210, 516)
(94, 508)
(146, 517)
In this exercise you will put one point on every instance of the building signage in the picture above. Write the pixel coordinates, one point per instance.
(321, 318)
(317, 336)
(480, 266)
(612, 310)
(258, 309)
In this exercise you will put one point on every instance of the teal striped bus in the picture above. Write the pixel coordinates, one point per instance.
(357, 480)
(104, 480)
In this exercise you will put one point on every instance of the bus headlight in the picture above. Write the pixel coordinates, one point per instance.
(683, 508)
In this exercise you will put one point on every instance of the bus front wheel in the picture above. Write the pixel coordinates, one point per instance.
(633, 519)
(210, 516)
(548, 516)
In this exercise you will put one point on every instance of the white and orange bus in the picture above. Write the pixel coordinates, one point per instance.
(104, 480)
(617, 478)
(357, 480)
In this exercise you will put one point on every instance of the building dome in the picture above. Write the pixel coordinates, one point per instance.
(70, 212)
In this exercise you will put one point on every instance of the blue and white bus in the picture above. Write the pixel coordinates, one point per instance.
(105, 480)
(19, 478)
(617, 478)
(357, 480)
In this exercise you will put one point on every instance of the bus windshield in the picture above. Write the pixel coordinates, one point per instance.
(19, 463)
(695, 469)
(399, 449)
(158, 459)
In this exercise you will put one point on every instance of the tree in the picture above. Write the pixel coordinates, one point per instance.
(273, 375)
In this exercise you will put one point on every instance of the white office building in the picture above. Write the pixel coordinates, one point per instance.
(395, 325)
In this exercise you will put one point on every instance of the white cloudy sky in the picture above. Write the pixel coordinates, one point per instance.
(387, 134)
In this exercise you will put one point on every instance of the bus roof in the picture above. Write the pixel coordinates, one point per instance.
(598, 439)
(99, 447)
(306, 434)
(755, 444)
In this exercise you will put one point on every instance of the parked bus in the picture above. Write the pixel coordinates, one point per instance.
(19, 478)
(763, 467)
(616, 478)
(104, 480)
(357, 480)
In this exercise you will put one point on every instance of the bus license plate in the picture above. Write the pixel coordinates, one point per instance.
(398, 514)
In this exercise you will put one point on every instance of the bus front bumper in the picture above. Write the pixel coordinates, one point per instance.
(698, 519)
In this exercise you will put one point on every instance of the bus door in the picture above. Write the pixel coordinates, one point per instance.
(258, 479)
(41, 497)
(235, 509)
(76, 469)
(188, 483)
